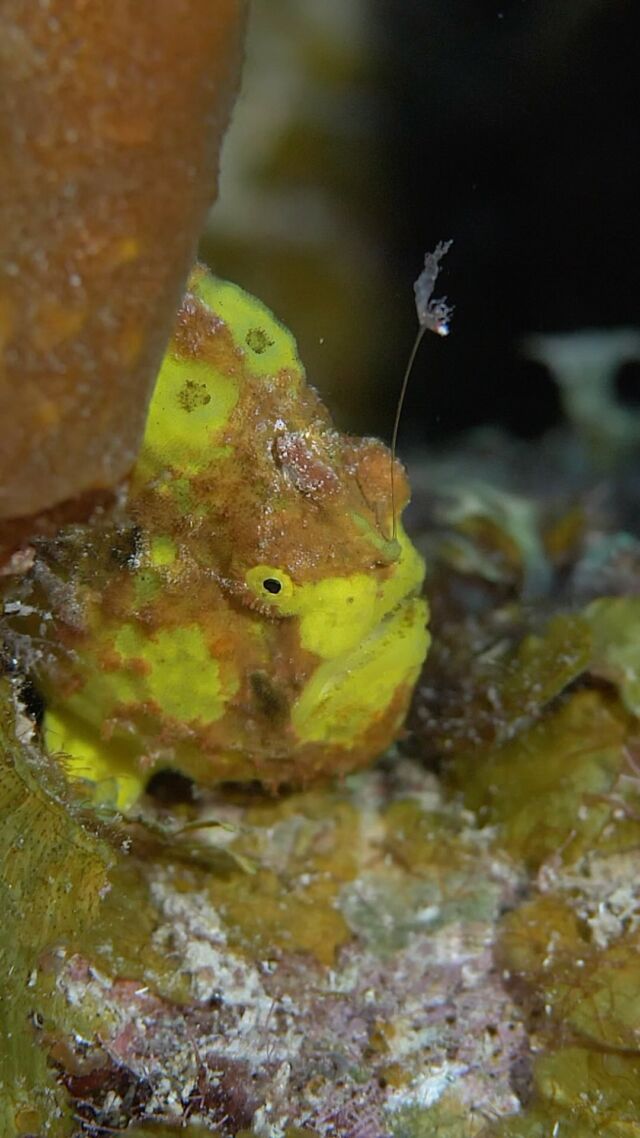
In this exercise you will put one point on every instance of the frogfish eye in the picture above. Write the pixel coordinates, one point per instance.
(272, 585)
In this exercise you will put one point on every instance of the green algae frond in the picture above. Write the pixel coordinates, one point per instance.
(53, 871)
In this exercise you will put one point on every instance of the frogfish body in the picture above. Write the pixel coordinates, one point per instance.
(244, 614)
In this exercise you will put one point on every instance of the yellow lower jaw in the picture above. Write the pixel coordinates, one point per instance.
(346, 695)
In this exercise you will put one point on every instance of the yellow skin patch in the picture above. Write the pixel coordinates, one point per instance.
(246, 616)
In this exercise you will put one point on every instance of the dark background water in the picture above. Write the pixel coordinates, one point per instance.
(368, 130)
(513, 128)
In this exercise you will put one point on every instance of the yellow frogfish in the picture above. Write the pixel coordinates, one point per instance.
(244, 613)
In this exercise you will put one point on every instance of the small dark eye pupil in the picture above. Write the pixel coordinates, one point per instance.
(272, 585)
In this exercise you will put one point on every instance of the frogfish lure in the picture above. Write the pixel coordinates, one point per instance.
(243, 614)
(433, 316)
